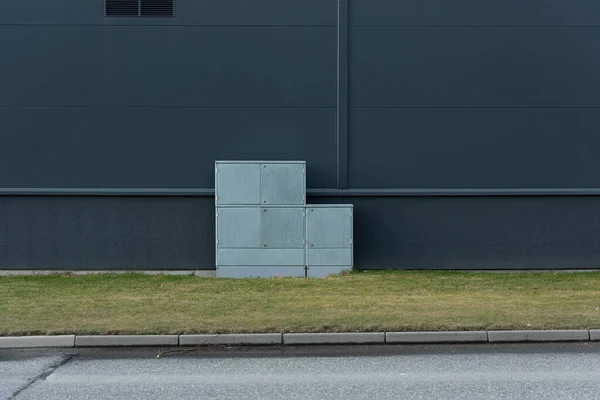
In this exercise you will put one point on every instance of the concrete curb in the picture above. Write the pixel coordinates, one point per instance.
(231, 339)
(126, 340)
(273, 339)
(334, 338)
(538, 336)
(15, 342)
(437, 337)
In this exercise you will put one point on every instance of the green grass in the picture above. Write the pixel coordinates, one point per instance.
(390, 301)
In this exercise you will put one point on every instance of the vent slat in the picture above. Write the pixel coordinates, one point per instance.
(136, 8)
(122, 8)
(157, 8)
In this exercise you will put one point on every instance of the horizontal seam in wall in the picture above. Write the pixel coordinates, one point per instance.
(172, 25)
(472, 107)
(307, 108)
(476, 26)
(182, 107)
(311, 192)
(176, 25)
(461, 192)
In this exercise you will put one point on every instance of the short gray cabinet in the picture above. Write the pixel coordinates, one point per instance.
(330, 239)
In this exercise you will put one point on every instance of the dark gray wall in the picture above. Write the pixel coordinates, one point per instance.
(96, 102)
(451, 126)
(146, 232)
(472, 94)
(98, 232)
(521, 232)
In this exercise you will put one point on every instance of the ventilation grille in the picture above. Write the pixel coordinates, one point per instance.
(157, 8)
(122, 8)
(136, 8)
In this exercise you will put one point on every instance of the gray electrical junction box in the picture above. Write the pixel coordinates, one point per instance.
(264, 228)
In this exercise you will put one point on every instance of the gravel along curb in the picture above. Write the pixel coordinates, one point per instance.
(273, 339)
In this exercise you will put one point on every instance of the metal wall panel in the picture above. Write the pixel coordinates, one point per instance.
(514, 232)
(435, 148)
(60, 66)
(472, 94)
(237, 184)
(105, 232)
(57, 12)
(282, 228)
(261, 12)
(283, 184)
(148, 66)
(260, 257)
(475, 13)
(157, 147)
(162, 90)
(238, 227)
(474, 67)
(188, 12)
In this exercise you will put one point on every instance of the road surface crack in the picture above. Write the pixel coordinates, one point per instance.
(42, 376)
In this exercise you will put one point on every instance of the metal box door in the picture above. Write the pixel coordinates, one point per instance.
(329, 227)
(283, 184)
(282, 228)
(238, 228)
(237, 184)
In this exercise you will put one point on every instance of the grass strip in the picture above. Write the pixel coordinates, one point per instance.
(371, 301)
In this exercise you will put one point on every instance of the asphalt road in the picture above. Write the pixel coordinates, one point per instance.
(559, 371)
